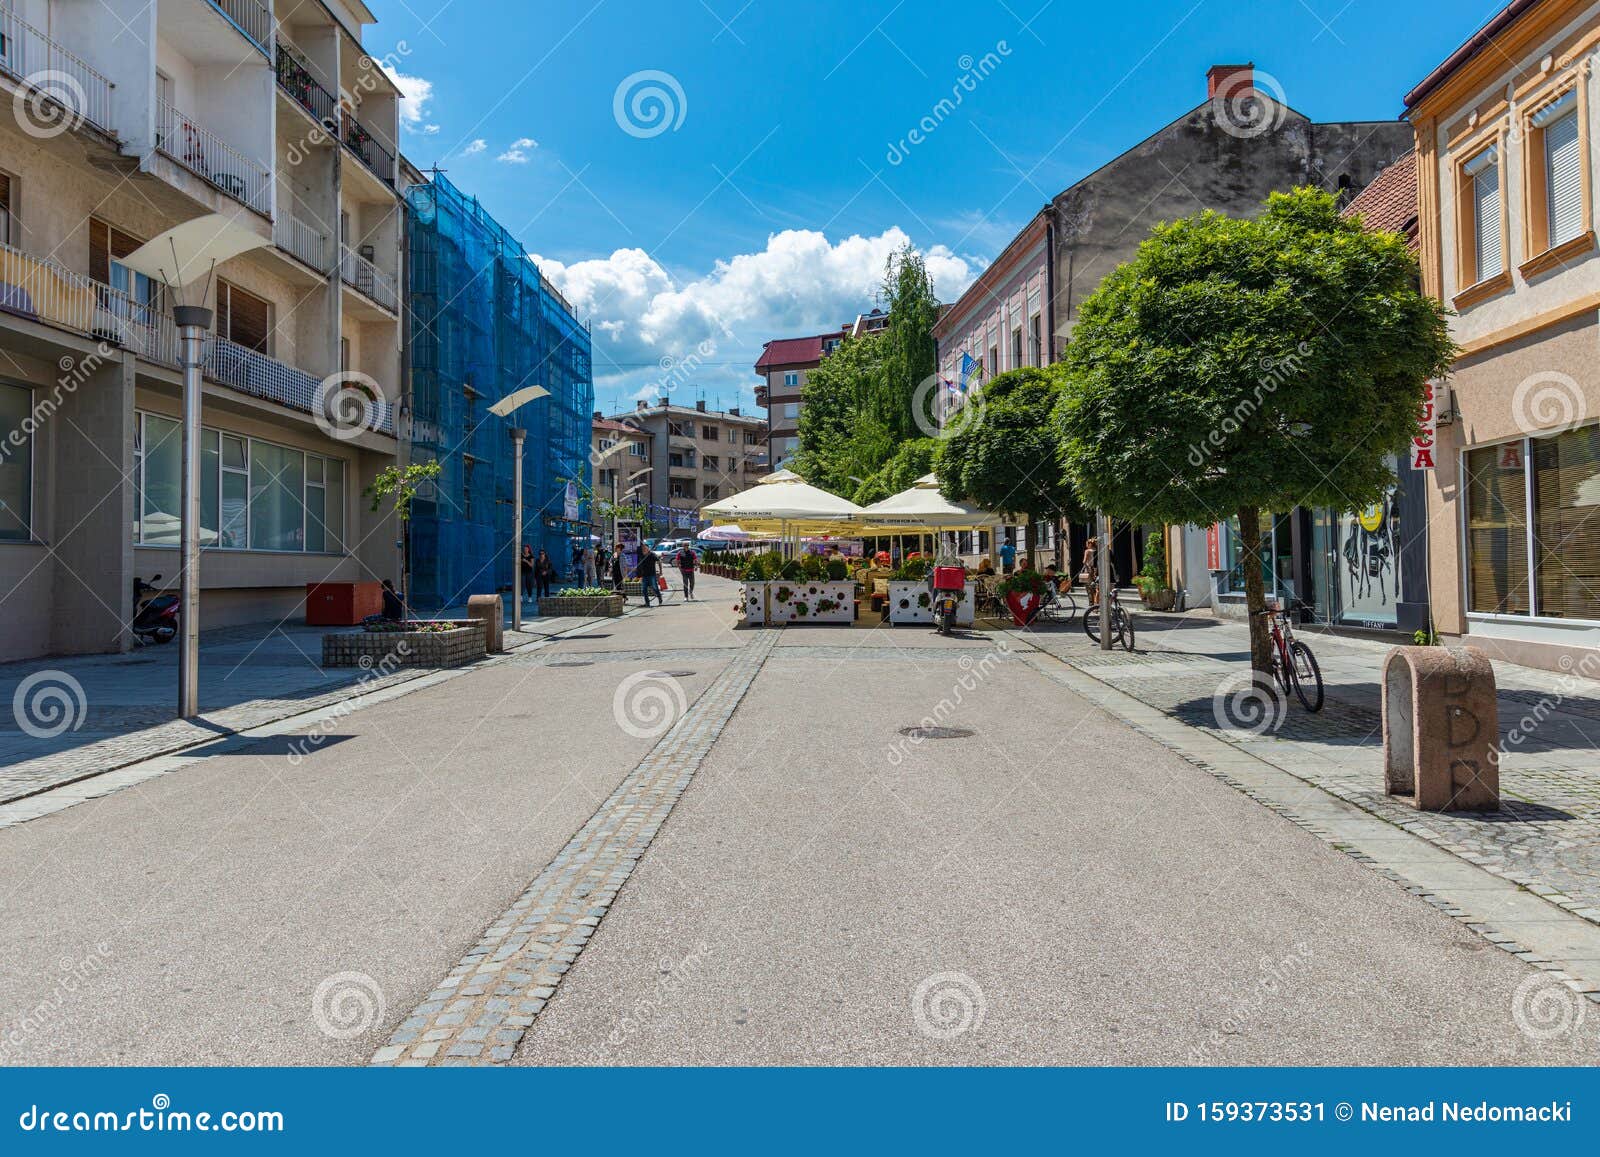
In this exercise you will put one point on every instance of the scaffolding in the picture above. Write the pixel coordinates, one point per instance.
(482, 323)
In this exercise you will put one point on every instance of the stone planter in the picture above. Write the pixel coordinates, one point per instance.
(912, 602)
(581, 606)
(385, 650)
(1158, 600)
(799, 601)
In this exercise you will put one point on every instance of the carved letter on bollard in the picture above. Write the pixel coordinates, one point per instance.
(491, 609)
(1441, 729)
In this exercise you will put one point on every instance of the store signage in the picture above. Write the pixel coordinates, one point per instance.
(1428, 424)
(1214, 546)
(571, 503)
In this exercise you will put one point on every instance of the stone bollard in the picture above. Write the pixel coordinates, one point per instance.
(1441, 729)
(491, 609)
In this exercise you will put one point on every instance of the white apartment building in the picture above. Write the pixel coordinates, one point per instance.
(131, 116)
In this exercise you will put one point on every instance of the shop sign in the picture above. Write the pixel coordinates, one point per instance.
(1214, 546)
(1428, 424)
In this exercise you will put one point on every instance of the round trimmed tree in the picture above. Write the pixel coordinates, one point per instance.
(1239, 367)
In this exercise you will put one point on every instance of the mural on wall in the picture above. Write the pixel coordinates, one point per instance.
(1369, 570)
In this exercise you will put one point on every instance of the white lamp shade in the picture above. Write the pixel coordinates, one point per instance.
(187, 253)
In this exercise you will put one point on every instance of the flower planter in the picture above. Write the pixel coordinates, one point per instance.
(1158, 600)
(463, 642)
(912, 602)
(581, 606)
(799, 601)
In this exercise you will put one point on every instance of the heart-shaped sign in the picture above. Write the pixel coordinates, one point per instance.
(1021, 604)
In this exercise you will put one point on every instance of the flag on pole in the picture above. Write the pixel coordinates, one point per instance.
(970, 367)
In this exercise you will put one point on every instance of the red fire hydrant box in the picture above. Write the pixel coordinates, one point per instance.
(342, 604)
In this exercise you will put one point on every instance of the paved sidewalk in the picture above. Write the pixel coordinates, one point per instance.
(66, 718)
(1546, 837)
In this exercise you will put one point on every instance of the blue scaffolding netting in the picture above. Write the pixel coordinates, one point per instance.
(484, 323)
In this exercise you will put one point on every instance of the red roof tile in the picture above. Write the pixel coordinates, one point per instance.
(793, 351)
(1389, 204)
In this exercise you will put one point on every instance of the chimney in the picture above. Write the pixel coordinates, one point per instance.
(640, 404)
(599, 415)
(701, 405)
(664, 401)
(733, 411)
(1228, 81)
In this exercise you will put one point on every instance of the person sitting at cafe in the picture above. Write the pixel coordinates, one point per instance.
(986, 566)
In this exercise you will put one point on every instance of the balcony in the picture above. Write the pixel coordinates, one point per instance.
(249, 17)
(295, 79)
(69, 90)
(213, 160)
(298, 239)
(362, 275)
(368, 149)
(43, 290)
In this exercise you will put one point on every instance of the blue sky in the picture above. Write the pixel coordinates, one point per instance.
(762, 201)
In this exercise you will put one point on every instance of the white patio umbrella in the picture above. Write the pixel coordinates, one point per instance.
(922, 509)
(786, 504)
(729, 533)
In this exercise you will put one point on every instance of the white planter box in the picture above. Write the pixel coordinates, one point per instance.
(799, 601)
(913, 603)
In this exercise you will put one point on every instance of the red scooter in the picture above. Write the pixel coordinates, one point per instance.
(156, 619)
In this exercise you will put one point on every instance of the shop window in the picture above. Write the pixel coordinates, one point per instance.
(1566, 524)
(16, 463)
(1497, 530)
(277, 502)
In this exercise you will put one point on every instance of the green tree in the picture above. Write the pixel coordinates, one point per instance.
(911, 460)
(1006, 456)
(1242, 367)
(910, 357)
(839, 440)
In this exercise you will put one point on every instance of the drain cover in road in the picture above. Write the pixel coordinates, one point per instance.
(572, 663)
(937, 732)
(678, 674)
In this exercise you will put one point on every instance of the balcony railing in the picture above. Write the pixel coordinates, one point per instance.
(63, 88)
(294, 77)
(364, 145)
(212, 159)
(44, 290)
(250, 17)
(294, 236)
(363, 275)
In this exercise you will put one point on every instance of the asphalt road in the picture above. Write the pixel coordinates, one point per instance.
(1053, 888)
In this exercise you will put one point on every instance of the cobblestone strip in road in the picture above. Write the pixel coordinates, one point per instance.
(478, 1014)
(1522, 922)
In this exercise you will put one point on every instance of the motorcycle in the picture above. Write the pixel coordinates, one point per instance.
(949, 584)
(155, 620)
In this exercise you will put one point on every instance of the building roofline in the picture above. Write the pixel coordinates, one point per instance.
(1003, 262)
(1475, 44)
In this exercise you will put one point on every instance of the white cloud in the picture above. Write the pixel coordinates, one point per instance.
(475, 147)
(415, 94)
(517, 154)
(801, 283)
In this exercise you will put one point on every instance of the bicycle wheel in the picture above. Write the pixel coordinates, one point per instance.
(1124, 624)
(1307, 676)
(1283, 678)
(1091, 623)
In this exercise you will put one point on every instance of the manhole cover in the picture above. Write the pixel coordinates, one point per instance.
(937, 732)
(572, 663)
(679, 674)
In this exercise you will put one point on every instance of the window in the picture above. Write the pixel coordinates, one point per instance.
(253, 495)
(1482, 241)
(682, 488)
(243, 317)
(710, 462)
(789, 410)
(636, 449)
(468, 490)
(1016, 347)
(16, 464)
(791, 378)
(681, 429)
(1497, 530)
(708, 433)
(712, 493)
(750, 439)
(1566, 532)
(107, 246)
(6, 210)
(733, 437)
(1556, 209)
(1035, 347)
(994, 360)
(606, 444)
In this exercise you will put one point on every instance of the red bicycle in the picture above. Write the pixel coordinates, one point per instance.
(1293, 665)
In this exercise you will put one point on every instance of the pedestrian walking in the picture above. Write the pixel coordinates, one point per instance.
(687, 561)
(1089, 572)
(526, 562)
(616, 572)
(590, 568)
(544, 572)
(649, 572)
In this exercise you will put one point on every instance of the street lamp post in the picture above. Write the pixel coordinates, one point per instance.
(1103, 564)
(192, 322)
(518, 434)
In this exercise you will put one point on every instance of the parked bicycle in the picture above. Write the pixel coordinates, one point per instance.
(1293, 665)
(1121, 624)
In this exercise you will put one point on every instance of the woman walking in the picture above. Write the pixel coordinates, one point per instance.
(527, 571)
